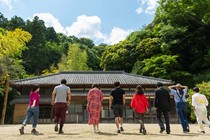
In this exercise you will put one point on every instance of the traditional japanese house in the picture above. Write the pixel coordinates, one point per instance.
(80, 83)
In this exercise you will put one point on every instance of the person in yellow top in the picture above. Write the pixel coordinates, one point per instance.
(199, 103)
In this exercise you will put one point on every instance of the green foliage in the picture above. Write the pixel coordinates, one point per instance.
(12, 43)
(119, 57)
(202, 77)
(159, 66)
(183, 77)
(147, 48)
(75, 59)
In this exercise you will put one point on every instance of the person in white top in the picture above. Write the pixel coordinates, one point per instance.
(199, 103)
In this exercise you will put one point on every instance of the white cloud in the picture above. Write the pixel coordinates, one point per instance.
(85, 26)
(150, 5)
(7, 3)
(117, 35)
(51, 21)
(139, 10)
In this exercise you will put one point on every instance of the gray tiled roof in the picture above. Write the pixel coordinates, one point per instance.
(90, 77)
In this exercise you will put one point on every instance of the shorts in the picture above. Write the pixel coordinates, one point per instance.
(118, 110)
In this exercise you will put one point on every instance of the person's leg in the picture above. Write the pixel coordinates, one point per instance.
(94, 128)
(142, 123)
(116, 115)
(97, 127)
(181, 117)
(121, 117)
(26, 120)
(201, 116)
(28, 116)
(57, 116)
(200, 124)
(35, 120)
(165, 113)
(117, 124)
(160, 122)
(186, 125)
(35, 116)
(62, 116)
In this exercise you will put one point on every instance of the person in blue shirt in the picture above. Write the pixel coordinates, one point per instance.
(180, 97)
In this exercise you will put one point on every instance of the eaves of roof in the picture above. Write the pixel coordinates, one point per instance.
(90, 77)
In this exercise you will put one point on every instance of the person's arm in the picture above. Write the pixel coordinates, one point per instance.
(110, 102)
(124, 99)
(69, 96)
(171, 87)
(146, 104)
(34, 103)
(194, 104)
(88, 100)
(206, 101)
(155, 101)
(53, 96)
(185, 87)
(132, 104)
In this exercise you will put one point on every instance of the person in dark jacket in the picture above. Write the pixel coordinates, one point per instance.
(162, 105)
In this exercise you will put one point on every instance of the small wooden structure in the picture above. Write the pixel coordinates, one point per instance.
(80, 83)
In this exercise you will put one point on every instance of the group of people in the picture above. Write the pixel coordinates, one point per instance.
(61, 98)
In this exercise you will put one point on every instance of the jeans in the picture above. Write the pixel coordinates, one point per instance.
(181, 109)
(32, 112)
(160, 122)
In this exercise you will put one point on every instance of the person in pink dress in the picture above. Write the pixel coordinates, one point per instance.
(140, 104)
(94, 104)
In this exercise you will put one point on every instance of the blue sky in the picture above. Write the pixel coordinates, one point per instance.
(103, 21)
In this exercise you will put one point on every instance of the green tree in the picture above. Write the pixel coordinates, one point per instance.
(159, 66)
(35, 58)
(12, 43)
(3, 21)
(75, 60)
(119, 57)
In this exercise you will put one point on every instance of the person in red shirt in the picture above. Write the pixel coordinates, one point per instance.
(140, 104)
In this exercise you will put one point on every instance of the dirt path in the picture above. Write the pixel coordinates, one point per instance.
(108, 132)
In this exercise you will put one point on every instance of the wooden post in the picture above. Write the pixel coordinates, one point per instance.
(5, 101)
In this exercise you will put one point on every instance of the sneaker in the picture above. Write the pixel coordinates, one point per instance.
(118, 131)
(21, 130)
(144, 131)
(162, 129)
(56, 128)
(97, 131)
(121, 128)
(167, 132)
(60, 132)
(203, 132)
(34, 132)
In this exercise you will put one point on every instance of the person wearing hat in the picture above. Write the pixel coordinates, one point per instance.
(33, 110)
(199, 103)
(162, 106)
(180, 97)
